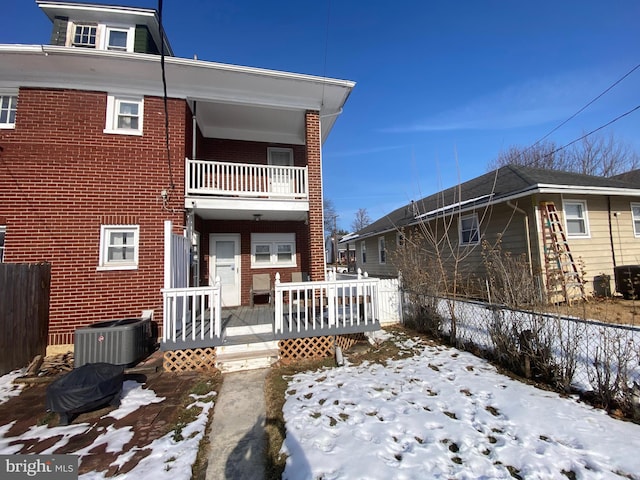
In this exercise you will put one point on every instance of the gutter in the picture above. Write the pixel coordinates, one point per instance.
(527, 232)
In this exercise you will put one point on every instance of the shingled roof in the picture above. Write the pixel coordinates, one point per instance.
(506, 183)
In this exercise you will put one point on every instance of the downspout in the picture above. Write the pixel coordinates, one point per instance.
(195, 131)
(613, 248)
(527, 233)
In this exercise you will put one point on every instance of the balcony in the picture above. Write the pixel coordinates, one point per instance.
(226, 190)
(246, 180)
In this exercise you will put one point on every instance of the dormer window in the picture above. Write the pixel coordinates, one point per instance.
(85, 36)
(117, 39)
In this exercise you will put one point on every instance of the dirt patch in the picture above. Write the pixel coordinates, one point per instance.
(608, 310)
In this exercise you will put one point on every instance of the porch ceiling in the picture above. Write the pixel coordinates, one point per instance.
(249, 209)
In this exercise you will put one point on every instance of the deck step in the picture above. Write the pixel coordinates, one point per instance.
(249, 330)
(233, 358)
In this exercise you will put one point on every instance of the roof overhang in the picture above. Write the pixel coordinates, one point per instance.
(488, 200)
(231, 101)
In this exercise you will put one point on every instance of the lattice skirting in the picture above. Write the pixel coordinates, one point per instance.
(192, 359)
(316, 347)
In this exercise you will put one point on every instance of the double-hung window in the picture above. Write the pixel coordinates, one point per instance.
(119, 246)
(8, 108)
(635, 214)
(575, 213)
(273, 250)
(85, 36)
(124, 115)
(382, 251)
(469, 230)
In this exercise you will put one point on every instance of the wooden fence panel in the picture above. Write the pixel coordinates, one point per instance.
(24, 313)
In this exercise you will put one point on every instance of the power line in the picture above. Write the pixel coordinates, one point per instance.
(586, 106)
(164, 97)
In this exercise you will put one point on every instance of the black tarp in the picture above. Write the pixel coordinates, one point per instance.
(84, 389)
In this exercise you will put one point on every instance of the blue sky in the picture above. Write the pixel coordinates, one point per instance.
(442, 87)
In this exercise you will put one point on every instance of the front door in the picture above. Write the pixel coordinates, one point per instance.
(225, 263)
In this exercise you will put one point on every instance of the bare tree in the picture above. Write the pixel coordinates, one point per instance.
(592, 155)
(330, 217)
(361, 221)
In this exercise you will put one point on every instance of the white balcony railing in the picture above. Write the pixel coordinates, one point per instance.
(192, 314)
(311, 308)
(205, 177)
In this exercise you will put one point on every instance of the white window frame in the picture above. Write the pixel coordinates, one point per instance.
(113, 109)
(363, 251)
(382, 251)
(130, 31)
(584, 219)
(12, 107)
(635, 218)
(105, 235)
(3, 239)
(476, 225)
(273, 241)
(75, 26)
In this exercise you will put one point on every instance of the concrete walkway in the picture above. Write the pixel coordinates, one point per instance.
(237, 438)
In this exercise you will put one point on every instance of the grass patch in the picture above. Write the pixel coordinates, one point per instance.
(47, 419)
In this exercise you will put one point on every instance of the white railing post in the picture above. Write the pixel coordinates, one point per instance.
(217, 299)
(279, 320)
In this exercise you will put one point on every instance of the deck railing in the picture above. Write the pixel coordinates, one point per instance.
(330, 307)
(206, 177)
(192, 314)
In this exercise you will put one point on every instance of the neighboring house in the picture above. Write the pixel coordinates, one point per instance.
(89, 174)
(599, 217)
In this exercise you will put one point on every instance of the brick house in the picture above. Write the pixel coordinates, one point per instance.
(89, 173)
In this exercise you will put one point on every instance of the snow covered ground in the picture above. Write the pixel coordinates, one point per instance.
(170, 457)
(442, 413)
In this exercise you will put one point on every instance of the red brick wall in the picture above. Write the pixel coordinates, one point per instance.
(316, 228)
(61, 177)
(243, 152)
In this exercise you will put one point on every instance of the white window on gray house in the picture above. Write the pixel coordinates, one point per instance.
(119, 247)
(363, 251)
(400, 240)
(3, 233)
(382, 251)
(469, 230)
(124, 115)
(273, 250)
(85, 36)
(635, 213)
(575, 215)
(8, 108)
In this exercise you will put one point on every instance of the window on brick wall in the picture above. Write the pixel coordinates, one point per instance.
(124, 115)
(8, 108)
(119, 247)
(3, 233)
(273, 250)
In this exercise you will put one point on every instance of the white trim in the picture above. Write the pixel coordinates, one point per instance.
(473, 216)
(11, 93)
(273, 240)
(111, 122)
(129, 30)
(636, 231)
(382, 251)
(584, 218)
(103, 262)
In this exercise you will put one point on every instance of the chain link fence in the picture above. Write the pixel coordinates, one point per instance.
(597, 359)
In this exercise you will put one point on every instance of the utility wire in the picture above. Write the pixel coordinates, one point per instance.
(164, 97)
(586, 106)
